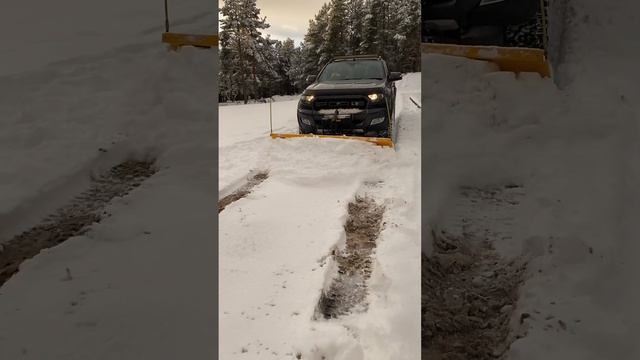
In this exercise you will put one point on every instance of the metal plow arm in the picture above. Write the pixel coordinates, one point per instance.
(383, 142)
(176, 40)
(508, 59)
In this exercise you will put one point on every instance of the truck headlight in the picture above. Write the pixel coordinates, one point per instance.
(375, 97)
(308, 98)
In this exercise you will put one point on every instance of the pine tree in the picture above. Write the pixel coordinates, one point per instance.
(286, 51)
(356, 13)
(385, 44)
(267, 79)
(240, 40)
(314, 40)
(408, 36)
(297, 71)
(336, 40)
(372, 20)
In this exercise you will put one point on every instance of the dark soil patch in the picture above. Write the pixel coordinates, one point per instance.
(74, 218)
(243, 191)
(469, 292)
(349, 289)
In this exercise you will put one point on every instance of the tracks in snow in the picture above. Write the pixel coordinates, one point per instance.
(244, 190)
(348, 290)
(469, 292)
(74, 218)
(353, 263)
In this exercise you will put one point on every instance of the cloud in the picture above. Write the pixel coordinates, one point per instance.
(288, 18)
(281, 32)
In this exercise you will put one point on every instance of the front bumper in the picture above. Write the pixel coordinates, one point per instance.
(360, 122)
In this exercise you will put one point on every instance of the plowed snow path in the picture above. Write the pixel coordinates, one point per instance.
(243, 191)
(349, 289)
(274, 242)
(469, 290)
(74, 218)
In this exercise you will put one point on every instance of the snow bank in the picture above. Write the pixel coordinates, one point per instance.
(574, 152)
(275, 98)
(587, 278)
(476, 117)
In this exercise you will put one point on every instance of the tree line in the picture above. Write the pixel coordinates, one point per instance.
(254, 66)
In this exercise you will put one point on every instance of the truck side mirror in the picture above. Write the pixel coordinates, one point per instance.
(311, 78)
(395, 76)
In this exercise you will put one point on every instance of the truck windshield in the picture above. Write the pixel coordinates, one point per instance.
(352, 70)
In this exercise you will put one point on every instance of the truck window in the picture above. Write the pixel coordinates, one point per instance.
(353, 70)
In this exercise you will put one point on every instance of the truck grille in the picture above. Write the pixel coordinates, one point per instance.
(354, 103)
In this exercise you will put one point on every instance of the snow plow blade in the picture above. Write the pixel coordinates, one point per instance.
(507, 58)
(380, 141)
(176, 41)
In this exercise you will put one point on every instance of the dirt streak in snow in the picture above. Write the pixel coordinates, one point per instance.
(243, 191)
(349, 289)
(469, 292)
(74, 218)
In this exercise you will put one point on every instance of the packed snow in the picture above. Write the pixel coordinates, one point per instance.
(573, 147)
(275, 243)
(102, 88)
(37, 33)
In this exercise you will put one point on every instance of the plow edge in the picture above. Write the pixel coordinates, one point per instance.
(383, 142)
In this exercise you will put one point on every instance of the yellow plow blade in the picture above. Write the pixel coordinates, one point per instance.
(176, 40)
(508, 59)
(384, 142)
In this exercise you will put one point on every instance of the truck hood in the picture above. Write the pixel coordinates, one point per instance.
(345, 87)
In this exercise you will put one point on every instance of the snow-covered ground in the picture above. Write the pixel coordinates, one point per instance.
(36, 33)
(254, 122)
(575, 152)
(81, 95)
(275, 243)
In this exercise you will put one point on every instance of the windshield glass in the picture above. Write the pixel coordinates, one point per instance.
(352, 70)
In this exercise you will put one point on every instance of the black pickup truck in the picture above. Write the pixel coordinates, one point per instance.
(352, 95)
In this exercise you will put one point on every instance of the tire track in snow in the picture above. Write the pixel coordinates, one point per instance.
(469, 292)
(243, 191)
(348, 290)
(75, 218)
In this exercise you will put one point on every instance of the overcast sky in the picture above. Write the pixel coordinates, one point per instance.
(288, 18)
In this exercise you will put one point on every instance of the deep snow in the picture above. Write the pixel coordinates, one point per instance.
(139, 285)
(275, 243)
(574, 149)
(36, 33)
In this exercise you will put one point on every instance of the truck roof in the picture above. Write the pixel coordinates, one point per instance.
(356, 57)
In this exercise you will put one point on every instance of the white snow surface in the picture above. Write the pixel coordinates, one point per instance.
(139, 286)
(36, 33)
(275, 243)
(575, 151)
